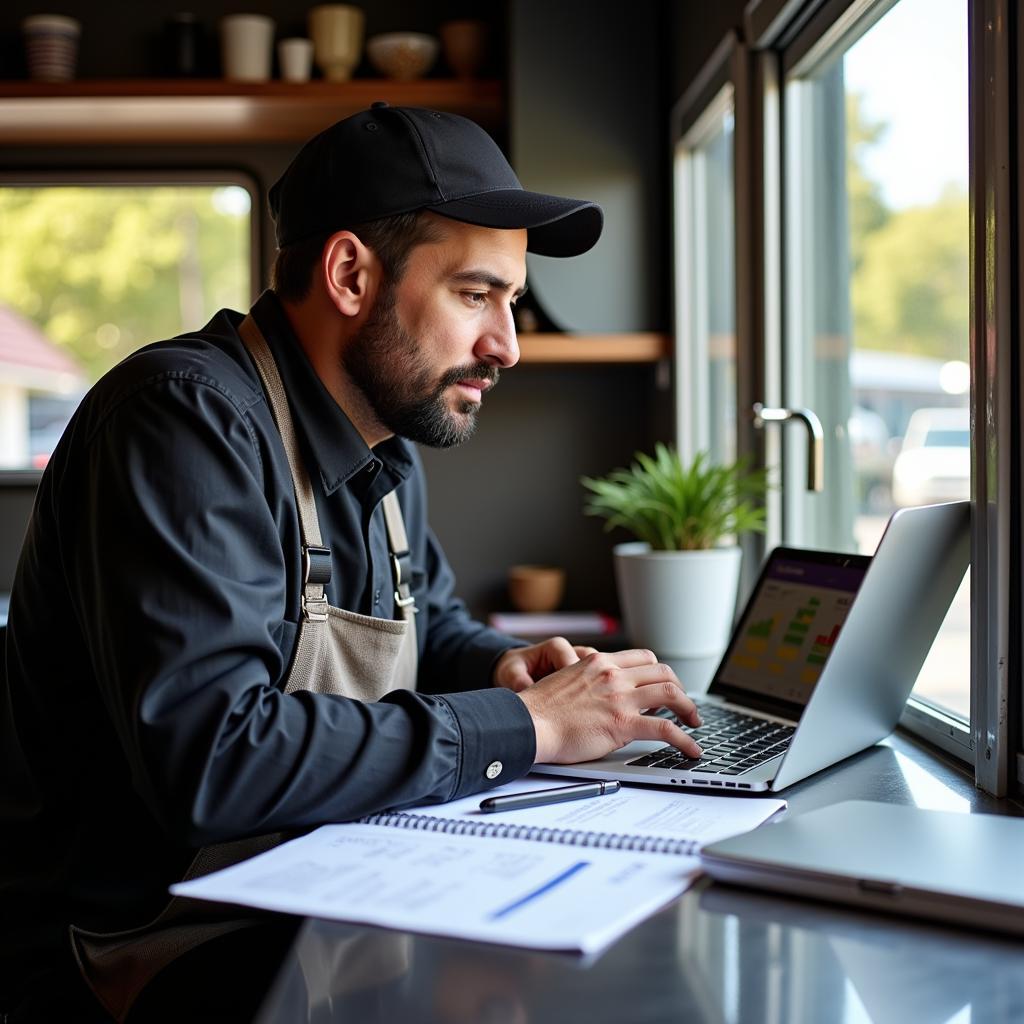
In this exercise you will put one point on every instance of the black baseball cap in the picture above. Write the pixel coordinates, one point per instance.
(390, 160)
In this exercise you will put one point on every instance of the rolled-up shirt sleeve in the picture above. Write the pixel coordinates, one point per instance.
(177, 570)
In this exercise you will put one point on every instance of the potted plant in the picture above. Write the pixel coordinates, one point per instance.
(678, 580)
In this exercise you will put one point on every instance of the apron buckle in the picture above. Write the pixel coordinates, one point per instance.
(314, 608)
(399, 570)
(316, 564)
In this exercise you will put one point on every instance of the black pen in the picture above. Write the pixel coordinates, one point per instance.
(539, 797)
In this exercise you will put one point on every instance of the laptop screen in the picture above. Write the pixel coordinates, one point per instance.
(787, 630)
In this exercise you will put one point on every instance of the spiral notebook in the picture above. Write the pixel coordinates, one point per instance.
(570, 876)
(638, 819)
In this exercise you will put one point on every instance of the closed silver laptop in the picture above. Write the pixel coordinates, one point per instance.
(820, 664)
(958, 868)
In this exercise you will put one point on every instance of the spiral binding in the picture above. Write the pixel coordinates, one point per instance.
(567, 837)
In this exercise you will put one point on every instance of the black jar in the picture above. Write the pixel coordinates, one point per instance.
(183, 46)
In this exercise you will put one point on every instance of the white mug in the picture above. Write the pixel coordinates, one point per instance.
(295, 59)
(247, 47)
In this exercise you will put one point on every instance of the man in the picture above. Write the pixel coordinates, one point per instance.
(212, 632)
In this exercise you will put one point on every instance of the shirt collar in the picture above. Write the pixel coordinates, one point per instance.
(333, 441)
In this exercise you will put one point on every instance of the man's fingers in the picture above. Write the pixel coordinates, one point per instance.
(661, 729)
(584, 652)
(632, 659)
(658, 687)
(661, 694)
(517, 678)
(561, 653)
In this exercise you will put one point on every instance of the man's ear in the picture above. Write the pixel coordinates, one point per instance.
(350, 272)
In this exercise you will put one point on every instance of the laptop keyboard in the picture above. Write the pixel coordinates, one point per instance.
(733, 743)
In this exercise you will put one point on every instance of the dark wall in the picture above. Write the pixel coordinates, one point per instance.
(695, 28)
(587, 110)
(512, 494)
(586, 115)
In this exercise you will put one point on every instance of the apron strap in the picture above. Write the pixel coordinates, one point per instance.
(401, 563)
(316, 559)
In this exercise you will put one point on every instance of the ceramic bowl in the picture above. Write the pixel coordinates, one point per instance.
(402, 55)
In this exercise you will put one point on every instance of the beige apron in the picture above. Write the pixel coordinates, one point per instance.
(337, 652)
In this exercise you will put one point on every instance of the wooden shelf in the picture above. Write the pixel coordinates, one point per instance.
(190, 111)
(594, 348)
(210, 112)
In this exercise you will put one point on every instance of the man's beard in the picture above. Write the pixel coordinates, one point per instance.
(387, 365)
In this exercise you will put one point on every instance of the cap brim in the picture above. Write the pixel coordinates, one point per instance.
(555, 226)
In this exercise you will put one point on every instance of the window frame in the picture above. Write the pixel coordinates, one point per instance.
(730, 67)
(212, 176)
(142, 177)
(996, 39)
(692, 414)
(781, 35)
(830, 27)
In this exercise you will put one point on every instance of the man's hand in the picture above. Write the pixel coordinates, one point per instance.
(595, 706)
(519, 668)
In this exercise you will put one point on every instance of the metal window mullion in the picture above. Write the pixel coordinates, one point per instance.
(694, 121)
(769, 370)
(799, 157)
(749, 253)
(992, 385)
(701, 312)
(1015, 625)
(686, 439)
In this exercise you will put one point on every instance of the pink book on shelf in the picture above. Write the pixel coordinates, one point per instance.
(530, 624)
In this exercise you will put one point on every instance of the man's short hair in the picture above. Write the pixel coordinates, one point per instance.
(390, 238)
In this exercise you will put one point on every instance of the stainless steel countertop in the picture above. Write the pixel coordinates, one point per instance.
(716, 954)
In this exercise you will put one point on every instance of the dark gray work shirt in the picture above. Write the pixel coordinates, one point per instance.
(154, 617)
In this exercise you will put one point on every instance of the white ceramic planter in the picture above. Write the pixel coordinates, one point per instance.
(680, 604)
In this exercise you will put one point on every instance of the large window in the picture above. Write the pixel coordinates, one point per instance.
(823, 266)
(89, 272)
(877, 304)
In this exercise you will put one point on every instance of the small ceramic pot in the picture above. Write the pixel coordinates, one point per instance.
(536, 588)
(464, 43)
(337, 34)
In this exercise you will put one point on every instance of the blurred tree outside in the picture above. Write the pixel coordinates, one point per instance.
(910, 293)
(909, 283)
(867, 209)
(103, 270)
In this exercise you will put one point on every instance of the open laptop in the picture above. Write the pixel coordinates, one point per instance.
(820, 664)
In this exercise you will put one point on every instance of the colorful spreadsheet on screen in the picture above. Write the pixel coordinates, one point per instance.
(790, 628)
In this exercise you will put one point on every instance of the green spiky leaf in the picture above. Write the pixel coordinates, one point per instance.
(674, 507)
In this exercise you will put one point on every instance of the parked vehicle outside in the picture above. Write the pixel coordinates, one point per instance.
(934, 463)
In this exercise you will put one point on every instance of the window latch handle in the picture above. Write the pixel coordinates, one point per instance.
(815, 438)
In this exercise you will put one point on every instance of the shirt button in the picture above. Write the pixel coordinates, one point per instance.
(494, 769)
(376, 597)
